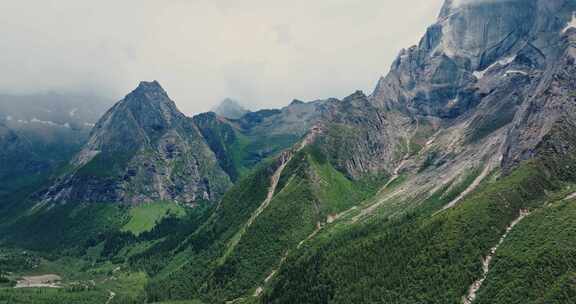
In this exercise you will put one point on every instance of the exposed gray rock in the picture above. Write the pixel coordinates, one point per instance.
(482, 90)
(142, 150)
(362, 139)
(488, 65)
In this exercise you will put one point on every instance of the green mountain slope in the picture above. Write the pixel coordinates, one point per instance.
(453, 182)
(261, 228)
(433, 257)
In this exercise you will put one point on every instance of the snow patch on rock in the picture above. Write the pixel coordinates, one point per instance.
(502, 62)
(512, 72)
(571, 24)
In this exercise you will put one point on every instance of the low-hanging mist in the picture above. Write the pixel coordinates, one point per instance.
(262, 53)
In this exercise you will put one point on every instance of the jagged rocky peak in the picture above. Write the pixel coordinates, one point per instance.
(143, 150)
(492, 72)
(151, 92)
(150, 99)
(230, 108)
(471, 37)
(151, 87)
(484, 30)
(141, 117)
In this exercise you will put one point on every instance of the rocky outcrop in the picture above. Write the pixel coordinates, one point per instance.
(361, 139)
(551, 102)
(142, 150)
(485, 66)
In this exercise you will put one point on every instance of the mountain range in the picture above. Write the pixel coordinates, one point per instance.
(452, 182)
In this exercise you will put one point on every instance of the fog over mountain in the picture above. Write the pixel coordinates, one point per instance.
(446, 174)
(260, 52)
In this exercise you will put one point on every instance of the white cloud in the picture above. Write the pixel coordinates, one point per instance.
(266, 52)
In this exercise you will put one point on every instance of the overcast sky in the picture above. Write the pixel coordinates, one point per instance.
(262, 52)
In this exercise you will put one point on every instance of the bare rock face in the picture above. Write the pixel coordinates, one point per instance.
(142, 150)
(487, 66)
(437, 77)
(361, 139)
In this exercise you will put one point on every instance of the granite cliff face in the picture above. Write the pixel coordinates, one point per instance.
(441, 75)
(489, 80)
(361, 139)
(142, 150)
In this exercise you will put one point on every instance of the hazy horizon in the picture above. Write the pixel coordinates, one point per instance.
(260, 53)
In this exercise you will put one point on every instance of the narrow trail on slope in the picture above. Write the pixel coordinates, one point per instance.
(473, 290)
(285, 158)
(111, 297)
(260, 289)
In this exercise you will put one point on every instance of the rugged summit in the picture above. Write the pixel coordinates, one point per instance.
(488, 80)
(142, 150)
(471, 39)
